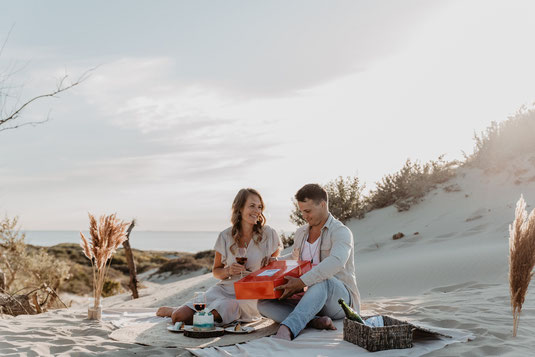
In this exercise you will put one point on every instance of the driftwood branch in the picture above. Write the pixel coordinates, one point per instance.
(36, 304)
(28, 303)
(130, 260)
(51, 292)
(15, 305)
(2, 281)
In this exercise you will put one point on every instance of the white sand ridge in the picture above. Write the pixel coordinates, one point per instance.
(452, 274)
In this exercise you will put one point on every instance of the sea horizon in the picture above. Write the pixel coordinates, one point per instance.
(174, 241)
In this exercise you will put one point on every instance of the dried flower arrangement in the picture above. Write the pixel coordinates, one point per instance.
(521, 257)
(105, 237)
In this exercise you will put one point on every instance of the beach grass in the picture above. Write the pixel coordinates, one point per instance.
(80, 281)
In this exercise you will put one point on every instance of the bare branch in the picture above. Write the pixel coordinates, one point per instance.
(59, 89)
(32, 123)
(7, 38)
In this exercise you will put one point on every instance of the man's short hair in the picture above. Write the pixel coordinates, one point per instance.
(311, 191)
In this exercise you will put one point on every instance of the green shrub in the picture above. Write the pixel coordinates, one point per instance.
(502, 142)
(296, 216)
(28, 269)
(345, 200)
(205, 254)
(407, 186)
(287, 240)
(44, 268)
(118, 260)
(182, 265)
(81, 281)
(13, 252)
(111, 287)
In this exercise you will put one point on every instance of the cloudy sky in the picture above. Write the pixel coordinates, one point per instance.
(193, 100)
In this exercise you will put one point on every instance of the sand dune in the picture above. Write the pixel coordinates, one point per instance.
(449, 270)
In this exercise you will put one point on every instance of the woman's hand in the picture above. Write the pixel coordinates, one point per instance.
(235, 269)
(267, 260)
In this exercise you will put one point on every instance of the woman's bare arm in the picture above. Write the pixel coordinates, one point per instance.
(221, 272)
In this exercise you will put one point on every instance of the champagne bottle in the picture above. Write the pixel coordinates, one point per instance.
(350, 313)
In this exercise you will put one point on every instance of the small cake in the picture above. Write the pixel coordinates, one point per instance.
(203, 321)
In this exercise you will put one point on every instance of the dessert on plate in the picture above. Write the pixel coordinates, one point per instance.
(203, 321)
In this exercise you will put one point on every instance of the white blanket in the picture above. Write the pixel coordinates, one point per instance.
(121, 317)
(329, 343)
(143, 327)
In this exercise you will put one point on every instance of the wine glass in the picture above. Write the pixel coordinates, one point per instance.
(199, 301)
(241, 258)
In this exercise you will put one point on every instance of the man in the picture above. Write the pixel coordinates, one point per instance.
(328, 243)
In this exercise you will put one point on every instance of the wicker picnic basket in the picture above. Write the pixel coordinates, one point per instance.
(394, 334)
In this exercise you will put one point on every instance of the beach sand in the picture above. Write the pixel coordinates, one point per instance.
(451, 274)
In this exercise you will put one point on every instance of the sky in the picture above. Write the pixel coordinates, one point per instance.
(189, 101)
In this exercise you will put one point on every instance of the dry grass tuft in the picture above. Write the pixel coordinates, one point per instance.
(105, 237)
(521, 257)
(503, 142)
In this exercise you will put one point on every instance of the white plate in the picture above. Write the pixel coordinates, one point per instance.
(173, 329)
(244, 329)
(189, 328)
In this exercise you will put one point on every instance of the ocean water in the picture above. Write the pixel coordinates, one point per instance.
(145, 240)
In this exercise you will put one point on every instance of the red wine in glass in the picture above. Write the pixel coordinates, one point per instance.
(199, 301)
(241, 257)
(199, 306)
(241, 260)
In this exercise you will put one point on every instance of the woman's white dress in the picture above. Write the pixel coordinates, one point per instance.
(222, 297)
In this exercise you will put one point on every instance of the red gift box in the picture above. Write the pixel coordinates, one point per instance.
(260, 284)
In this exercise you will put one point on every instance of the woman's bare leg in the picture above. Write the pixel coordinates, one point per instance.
(184, 314)
(165, 311)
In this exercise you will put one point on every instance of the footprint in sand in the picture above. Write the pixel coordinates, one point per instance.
(477, 214)
(450, 288)
(447, 235)
(476, 229)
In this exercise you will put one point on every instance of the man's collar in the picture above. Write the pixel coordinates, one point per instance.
(328, 223)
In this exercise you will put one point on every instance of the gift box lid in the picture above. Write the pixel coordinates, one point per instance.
(278, 270)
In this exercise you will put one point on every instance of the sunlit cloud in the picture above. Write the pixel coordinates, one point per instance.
(171, 125)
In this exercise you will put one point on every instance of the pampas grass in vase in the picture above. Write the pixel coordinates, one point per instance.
(521, 257)
(105, 237)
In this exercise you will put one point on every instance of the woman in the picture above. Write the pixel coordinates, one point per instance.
(248, 231)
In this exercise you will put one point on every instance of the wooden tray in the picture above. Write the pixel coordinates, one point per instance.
(189, 332)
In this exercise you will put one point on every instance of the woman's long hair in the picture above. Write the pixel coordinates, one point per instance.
(239, 204)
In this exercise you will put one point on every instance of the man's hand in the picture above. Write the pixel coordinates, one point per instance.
(267, 260)
(293, 286)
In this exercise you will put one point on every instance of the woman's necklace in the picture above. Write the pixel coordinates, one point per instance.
(244, 242)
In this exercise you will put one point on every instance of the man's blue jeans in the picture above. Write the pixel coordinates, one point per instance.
(320, 299)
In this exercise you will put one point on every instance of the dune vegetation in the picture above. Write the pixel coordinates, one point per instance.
(494, 148)
(64, 268)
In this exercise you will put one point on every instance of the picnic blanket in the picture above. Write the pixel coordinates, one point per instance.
(141, 326)
(313, 342)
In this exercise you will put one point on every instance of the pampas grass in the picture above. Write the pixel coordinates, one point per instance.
(521, 257)
(105, 237)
